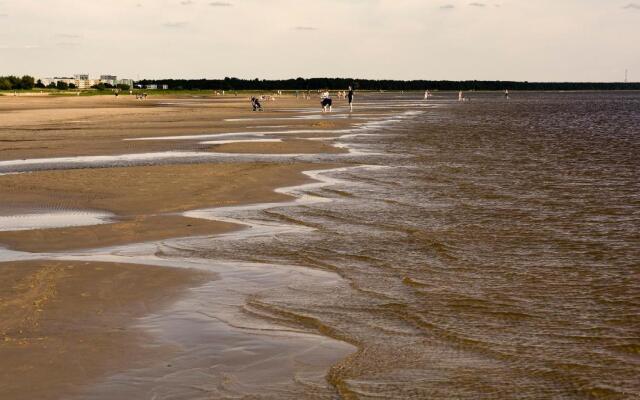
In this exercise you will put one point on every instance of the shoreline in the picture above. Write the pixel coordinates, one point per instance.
(54, 239)
(302, 338)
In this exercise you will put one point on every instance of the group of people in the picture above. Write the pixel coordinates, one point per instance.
(326, 102)
(255, 104)
(462, 98)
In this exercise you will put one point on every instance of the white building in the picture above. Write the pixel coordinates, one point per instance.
(109, 79)
(83, 81)
(49, 81)
(128, 82)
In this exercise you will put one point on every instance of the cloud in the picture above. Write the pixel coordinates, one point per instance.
(175, 24)
(4, 15)
(476, 4)
(632, 6)
(447, 7)
(67, 36)
(220, 4)
(186, 2)
(18, 47)
(305, 28)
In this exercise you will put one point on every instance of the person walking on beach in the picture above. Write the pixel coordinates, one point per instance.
(350, 98)
(506, 94)
(427, 94)
(460, 96)
(326, 101)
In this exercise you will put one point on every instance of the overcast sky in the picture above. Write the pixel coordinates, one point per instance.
(535, 40)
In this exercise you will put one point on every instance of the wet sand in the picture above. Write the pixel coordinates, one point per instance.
(65, 324)
(146, 198)
(61, 127)
(69, 324)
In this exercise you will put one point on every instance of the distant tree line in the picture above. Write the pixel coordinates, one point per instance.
(27, 82)
(17, 83)
(369, 84)
(60, 85)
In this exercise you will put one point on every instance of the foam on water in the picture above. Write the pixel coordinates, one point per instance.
(239, 134)
(228, 141)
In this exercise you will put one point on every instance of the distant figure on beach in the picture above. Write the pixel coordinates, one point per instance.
(255, 104)
(350, 98)
(506, 94)
(326, 101)
(460, 96)
(427, 94)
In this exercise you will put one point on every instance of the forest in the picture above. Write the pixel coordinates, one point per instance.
(369, 84)
(27, 82)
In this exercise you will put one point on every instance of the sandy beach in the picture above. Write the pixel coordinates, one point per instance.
(66, 324)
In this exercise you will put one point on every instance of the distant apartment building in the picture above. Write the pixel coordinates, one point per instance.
(49, 81)
(128, 82)
(83, 81)
(154, 86)
(109, 79)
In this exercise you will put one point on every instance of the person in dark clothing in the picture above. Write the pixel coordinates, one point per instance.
(326, 101)
(350, 98)
(255, 104)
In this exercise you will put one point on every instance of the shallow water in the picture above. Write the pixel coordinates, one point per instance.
(497, 257)
(57, 219)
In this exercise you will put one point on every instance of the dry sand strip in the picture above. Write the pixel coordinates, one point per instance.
(66, 324)
(138, 195)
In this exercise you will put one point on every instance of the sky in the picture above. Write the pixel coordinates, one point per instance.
(533, 40)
